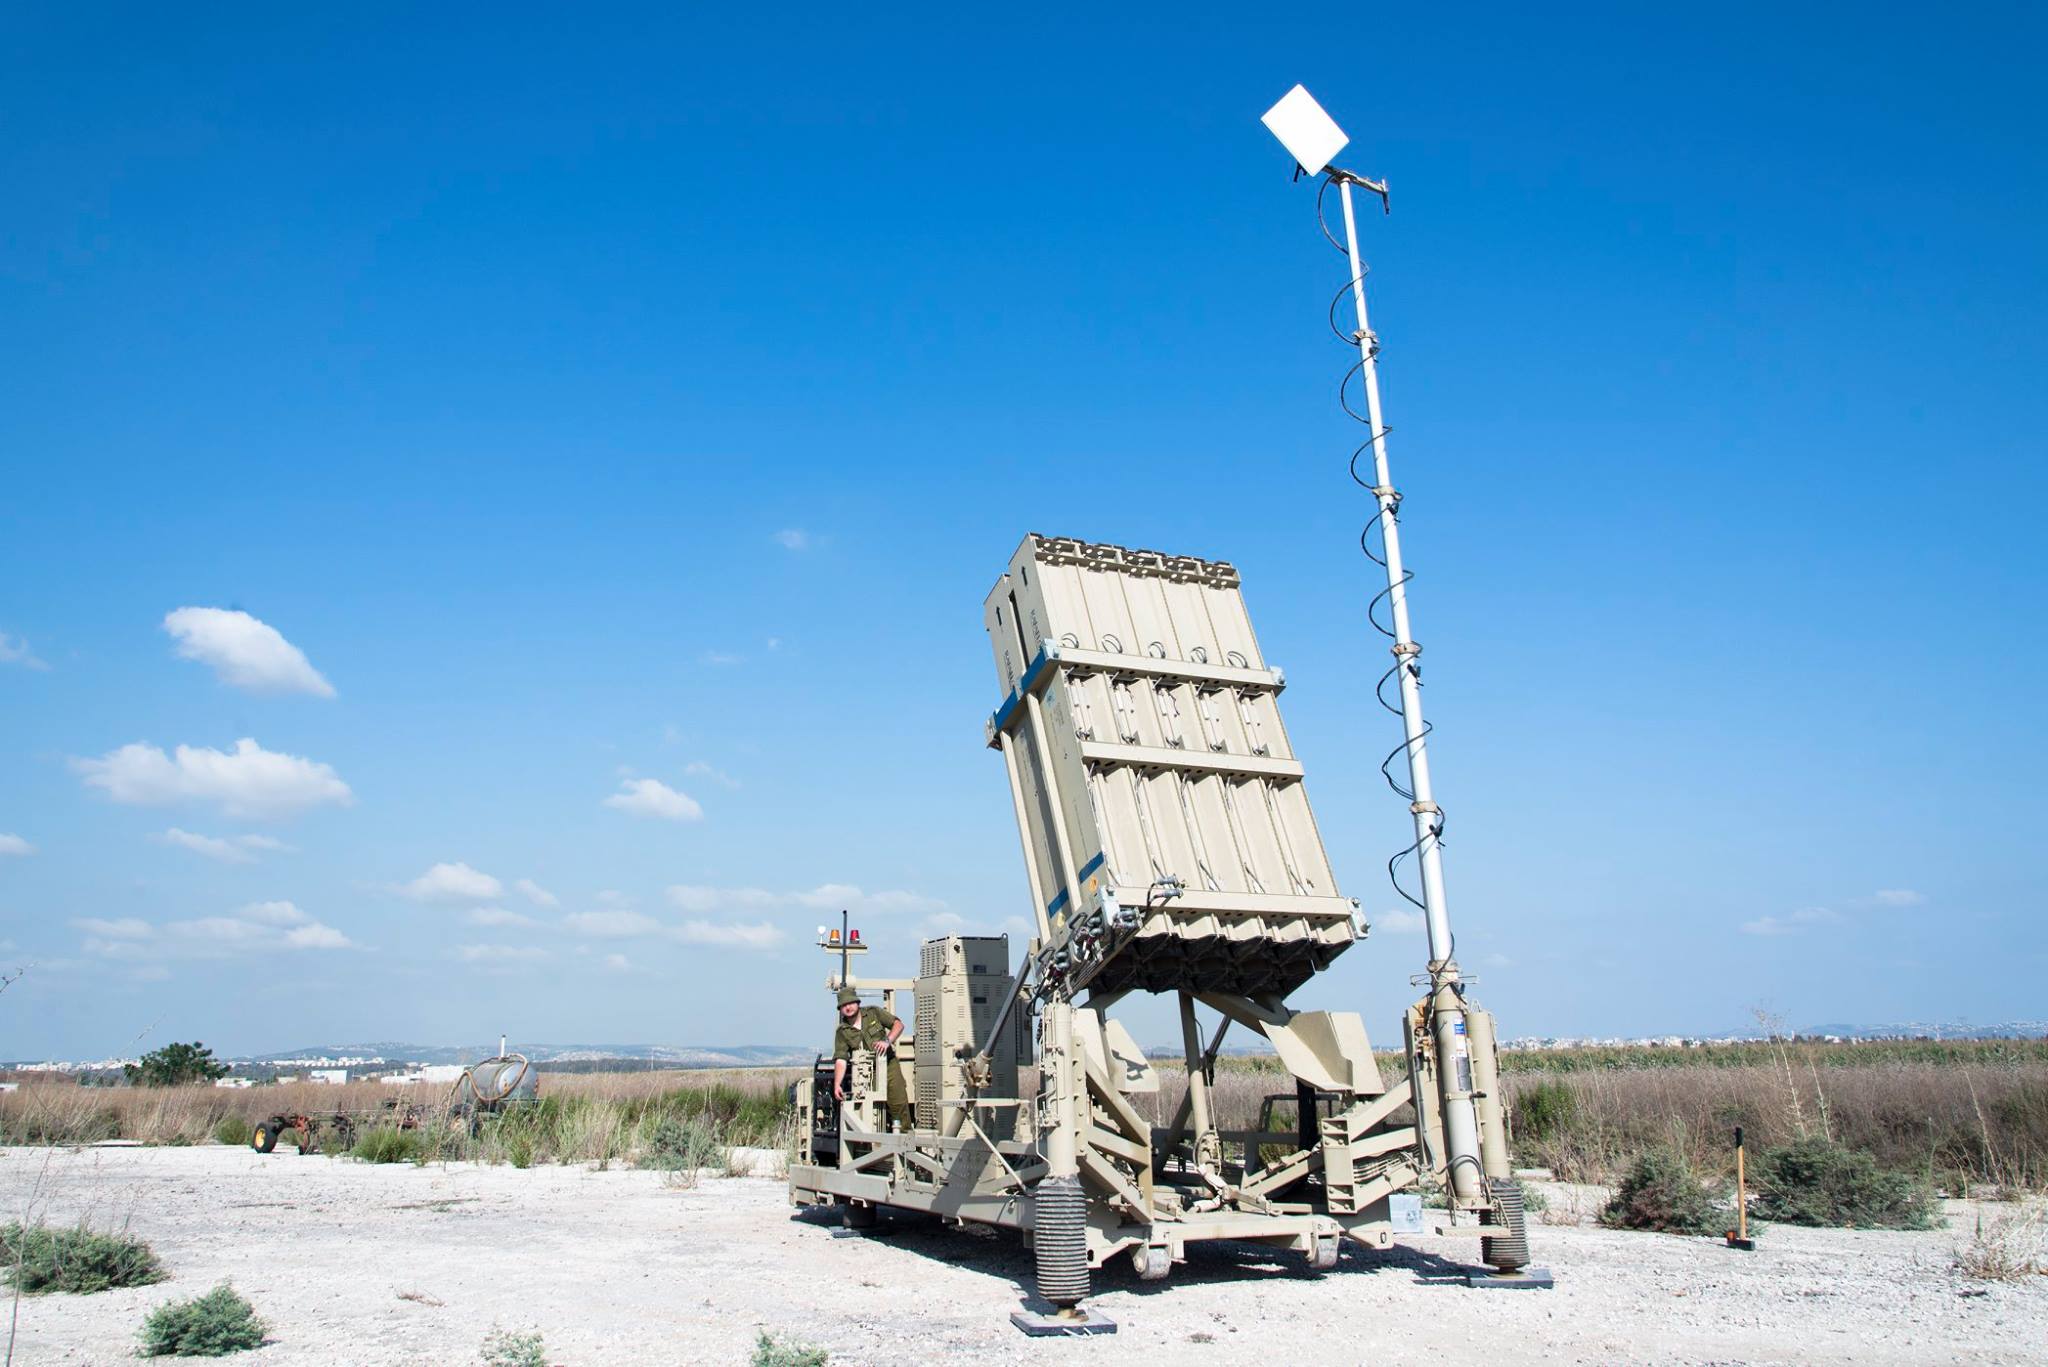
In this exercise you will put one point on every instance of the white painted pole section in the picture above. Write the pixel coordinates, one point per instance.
(1406, 652)
(1453, 1058)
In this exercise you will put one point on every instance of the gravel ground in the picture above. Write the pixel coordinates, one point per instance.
(361, 1265)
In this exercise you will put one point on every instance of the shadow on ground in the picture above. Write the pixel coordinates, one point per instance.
(998, 1254)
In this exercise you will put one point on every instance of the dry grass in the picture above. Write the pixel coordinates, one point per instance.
(581, 1117)
(1960, 1115)
(2009, 1247)
(1954, 1125)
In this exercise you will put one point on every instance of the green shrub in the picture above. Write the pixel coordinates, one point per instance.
(503, 1348)
(387, 1144)
(174, 1065)
(1816, 1181)
(77, 1260)
(677, 1144)
(1662, 1192)
(1543, 1110)
(209, 1326)
(770, 1351)
(233, 1129)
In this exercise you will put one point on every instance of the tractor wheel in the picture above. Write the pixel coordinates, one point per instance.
(1151, 1262)
(1323, 1257)
(862, 1217)
(264, 1139)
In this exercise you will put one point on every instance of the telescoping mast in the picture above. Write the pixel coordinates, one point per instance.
(1169, 849)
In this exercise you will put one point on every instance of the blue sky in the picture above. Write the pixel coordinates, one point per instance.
(588, 401)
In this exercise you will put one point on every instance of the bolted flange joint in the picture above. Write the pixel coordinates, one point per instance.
(1405, 648)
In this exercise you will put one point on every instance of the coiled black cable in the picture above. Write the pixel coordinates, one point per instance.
(1393, 512)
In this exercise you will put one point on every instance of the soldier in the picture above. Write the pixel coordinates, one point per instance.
(869, 1027)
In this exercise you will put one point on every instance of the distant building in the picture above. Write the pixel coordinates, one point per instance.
(333, 1077)
(234, 1082)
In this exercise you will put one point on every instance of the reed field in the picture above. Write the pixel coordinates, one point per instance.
(1958, 1114)
(579, 1117)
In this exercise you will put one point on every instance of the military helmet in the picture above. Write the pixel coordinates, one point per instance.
(847, 994)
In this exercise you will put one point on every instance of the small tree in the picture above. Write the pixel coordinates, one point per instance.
(176, 1064)
(1662, 1192)
(1815, 1181)
(209, 1326)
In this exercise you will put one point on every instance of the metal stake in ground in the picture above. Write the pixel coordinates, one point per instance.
(1738, 1237)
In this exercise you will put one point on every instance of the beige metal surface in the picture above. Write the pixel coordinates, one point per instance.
(961, 982)
(1150, 767)
(1169, 847)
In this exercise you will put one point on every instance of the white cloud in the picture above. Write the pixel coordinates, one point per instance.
(244, 652)
(127, 928)
(651, 797)
(453, 883)
(221, 930)
(1898, 897)
(824, 897)
(253, 929)
(500, 954)
(496, 916)
(1401, 921)
(247, 782)
(611, 924)
(229, 850)
(316, 936)
(536, 894)
(793, 539)
(760, 935)
(1802, 919)
(723, 658)
(15, 845)
(618, 963)
(275, 914)
(833, 896)
(697, 768)
(690, 897)
(15, 651)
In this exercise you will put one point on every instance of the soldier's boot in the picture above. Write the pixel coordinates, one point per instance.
(899, 1099)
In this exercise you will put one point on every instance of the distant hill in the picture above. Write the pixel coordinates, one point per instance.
(672, 1056)
(1936, 1030)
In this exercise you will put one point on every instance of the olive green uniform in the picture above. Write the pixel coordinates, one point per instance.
(870, 1028)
